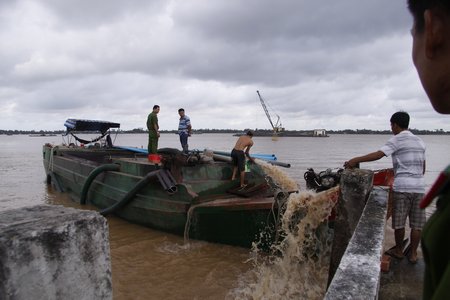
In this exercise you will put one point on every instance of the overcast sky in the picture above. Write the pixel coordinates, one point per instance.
(318, 64)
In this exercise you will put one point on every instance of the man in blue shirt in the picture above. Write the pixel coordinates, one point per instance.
(184, 130)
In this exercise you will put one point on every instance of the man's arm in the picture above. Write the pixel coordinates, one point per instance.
(359, 159)
(247, 152)
(149, 122)
(156, 127)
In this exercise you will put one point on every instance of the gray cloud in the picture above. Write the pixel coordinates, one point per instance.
(342, 64)
(89, 14)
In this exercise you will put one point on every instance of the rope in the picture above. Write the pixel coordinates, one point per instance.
(50, 160)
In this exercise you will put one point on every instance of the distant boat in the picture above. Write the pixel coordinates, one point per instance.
(289, 133)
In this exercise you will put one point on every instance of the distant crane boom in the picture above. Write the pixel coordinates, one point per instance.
(265, 109)
(277, 127)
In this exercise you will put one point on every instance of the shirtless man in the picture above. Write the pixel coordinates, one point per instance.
(238, 154)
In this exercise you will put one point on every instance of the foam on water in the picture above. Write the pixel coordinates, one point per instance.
(297, 267)
(176, 248)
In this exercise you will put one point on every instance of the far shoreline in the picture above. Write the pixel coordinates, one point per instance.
(258, 132)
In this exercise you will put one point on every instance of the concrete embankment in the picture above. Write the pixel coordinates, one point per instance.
(356, 186)
(359, 270)
(54, 252)
(359, 234)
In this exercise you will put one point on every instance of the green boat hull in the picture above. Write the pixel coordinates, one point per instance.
(201, 208)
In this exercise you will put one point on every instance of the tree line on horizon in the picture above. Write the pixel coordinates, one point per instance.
(233, 131)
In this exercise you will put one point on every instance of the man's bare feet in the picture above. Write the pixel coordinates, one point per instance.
(412, 258)
(242, 187)
(395, 253)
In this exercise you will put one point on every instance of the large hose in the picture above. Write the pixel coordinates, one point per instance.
(92, 176)
(167, 181)
(278, 163)
(130, 195)
(163, 176)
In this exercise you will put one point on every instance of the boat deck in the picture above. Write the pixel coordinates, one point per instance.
(136, 160)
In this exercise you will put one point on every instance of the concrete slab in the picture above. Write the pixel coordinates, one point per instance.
(54, 252)
(403, 281)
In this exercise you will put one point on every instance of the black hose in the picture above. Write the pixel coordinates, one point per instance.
(278, 163)
(131, 194)
(92, 176)
(167, 181)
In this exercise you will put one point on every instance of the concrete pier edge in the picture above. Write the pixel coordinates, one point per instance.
(358, 274)
(356, 187)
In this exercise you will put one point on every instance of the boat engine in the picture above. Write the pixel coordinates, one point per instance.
(323, 180)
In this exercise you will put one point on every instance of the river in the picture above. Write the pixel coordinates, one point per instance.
(149, 264)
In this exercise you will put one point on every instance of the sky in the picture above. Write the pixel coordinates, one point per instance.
(318, 64)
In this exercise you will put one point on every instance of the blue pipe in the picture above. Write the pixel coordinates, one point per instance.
(268, 155)
(265, 157)
(260, 156)
(133, 149)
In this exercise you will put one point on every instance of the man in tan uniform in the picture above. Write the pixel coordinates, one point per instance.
(238, 154)
(431, 57)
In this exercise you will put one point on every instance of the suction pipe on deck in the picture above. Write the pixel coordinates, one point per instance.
(167, 181)
(92, 176)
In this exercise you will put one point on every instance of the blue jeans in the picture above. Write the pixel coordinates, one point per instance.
(184, 141)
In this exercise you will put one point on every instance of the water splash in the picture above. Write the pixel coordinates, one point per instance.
(279, 176)
(298, 265)
(187, 226)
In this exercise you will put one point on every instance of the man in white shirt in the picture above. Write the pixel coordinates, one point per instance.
(408, 159)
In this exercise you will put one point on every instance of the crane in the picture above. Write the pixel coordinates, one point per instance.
(277, 127)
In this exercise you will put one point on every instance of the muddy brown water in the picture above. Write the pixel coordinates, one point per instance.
(150, 264)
